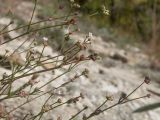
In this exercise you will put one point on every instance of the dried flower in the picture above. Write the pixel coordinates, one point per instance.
(93, 57)
(97, 112)
(110, 98)
(75, 77)
(85, 72)
(30, 56)
(35, 43)
(33, 81)
(147, 80)
(35, 76)
(122, 97)
(46, 108)
(82, 57)
(11, 22)
(22, 93)
(81, 95)
(67, 38)
(5, 75)
(72, 21)
(32, 51)
(86, 107)
(59, 100)
(73, 100)
(16, 58)
(148, 95)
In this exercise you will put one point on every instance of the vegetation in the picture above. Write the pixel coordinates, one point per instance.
(69, 55)
(138, 18)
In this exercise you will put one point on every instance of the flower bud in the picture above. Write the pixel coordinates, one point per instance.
(147, 80)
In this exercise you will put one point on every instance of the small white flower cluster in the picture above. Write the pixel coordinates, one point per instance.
(72, 1)
(104, 10)
(45, 39)
(90, 36)
(74, 4)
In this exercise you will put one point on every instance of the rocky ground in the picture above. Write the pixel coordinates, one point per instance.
(118, 70)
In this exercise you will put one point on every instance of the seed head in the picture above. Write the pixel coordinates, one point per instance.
(147, 80)
(59, 100)
(93, 57)
(85, 72)
(148, 95)
(72, 21)
(81, 95)
(110, 98)
(82, 57)
(86, 107)
(23, 93)
(11, 22)
(46, 108)
(4, 75)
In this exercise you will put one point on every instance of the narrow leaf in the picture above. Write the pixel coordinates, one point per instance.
(147, 107)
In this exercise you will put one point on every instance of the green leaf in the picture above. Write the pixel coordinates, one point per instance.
(147, 107)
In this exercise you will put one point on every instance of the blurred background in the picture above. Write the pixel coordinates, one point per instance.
(130, 21)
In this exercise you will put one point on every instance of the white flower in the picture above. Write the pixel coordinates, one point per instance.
(45, 39)
(104, 10)
(66, 31)
(90, 36)
(76, 5)
(72, 1)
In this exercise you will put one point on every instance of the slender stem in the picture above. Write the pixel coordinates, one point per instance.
(19, 46)
(5, 27)
(26, 33)
(41, 53)
(62, 85)
(134, 99)
(41, 112)
(101, 105)
(34, 24)
(25, 116)
(133, 91)
(77, 113)
(32, 15)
